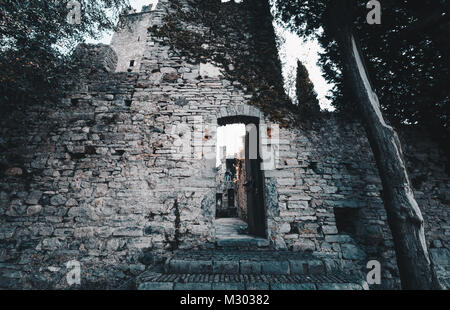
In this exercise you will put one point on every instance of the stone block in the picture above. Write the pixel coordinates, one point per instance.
(351, 251)
(329, 230)
(7, 231)
(51, 244)
(193, 286)
(292, 286)
(33, 198)
(275, 267)
(300, 197)
(338, 238)
(57, 200)
(228, 267)
(228, 286)
(285, 228)
(257, 286)
(279, 243)
(156, 286)
(339, 286)
(249, 267)
(301, 205)
(279, 174)
(330, 189)
(316, 267)
(298, 266)
(34, 210)
(315, 189)
(178, 266)
(286, 182)
(200, 266)
(304, 245)
(128, 232)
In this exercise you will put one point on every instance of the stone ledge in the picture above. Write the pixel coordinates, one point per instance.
(246, 262)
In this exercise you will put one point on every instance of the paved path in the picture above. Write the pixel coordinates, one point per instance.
(232, 232)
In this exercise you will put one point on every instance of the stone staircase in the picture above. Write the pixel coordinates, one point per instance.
(247, 270)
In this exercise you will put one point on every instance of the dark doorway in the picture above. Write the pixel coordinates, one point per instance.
(231, 198)
(347, 220)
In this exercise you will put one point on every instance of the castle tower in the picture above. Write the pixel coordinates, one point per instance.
(131, 38)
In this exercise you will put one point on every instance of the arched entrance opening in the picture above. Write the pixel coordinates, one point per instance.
(240, 208)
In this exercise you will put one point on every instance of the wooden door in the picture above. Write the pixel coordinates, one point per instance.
(254, 186)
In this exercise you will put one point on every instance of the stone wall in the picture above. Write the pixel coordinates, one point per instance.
(106, 178)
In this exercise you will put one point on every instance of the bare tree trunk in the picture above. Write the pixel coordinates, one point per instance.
(403, 213)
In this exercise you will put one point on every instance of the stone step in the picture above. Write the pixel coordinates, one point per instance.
(166, 281)
(240, 242)
(247, 262)
(232, 233)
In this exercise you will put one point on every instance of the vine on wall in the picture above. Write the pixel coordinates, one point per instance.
(241, 40)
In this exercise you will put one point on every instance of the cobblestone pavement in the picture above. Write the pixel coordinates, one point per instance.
(335, 281)
(248, 270)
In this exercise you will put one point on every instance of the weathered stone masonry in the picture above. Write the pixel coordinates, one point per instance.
(98, 178)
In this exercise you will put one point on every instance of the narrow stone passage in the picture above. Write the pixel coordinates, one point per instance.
(232, 232)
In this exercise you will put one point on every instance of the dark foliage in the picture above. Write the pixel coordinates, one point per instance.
(406, 57)
(306, 96)
(35, 39)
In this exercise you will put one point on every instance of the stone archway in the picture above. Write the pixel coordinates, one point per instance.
(248, 178)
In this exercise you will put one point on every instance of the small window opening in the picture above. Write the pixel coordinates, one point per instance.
(347, 220)
(132, 63)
